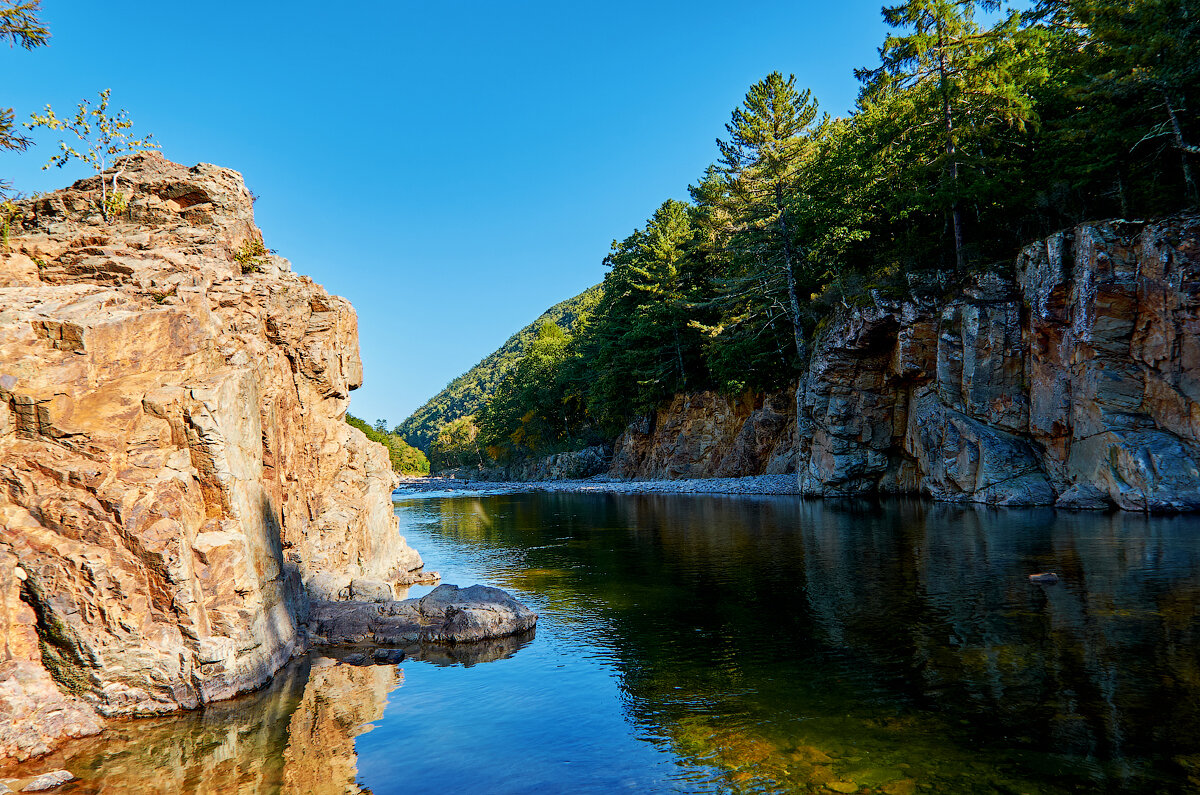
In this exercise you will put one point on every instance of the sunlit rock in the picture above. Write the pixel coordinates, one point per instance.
(176, 477)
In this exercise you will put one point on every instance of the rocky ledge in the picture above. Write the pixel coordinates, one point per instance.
(177, 480)
(448, 614)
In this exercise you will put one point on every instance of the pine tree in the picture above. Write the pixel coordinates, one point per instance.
(962, 81)
(19, 26)
(641, 337)
(758, 180)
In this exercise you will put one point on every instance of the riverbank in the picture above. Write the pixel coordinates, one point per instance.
(759, 484)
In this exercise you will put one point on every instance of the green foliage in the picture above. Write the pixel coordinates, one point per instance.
(765, 269)
(466, 395)
(19, 25)
(251, 256)
(456, 445)
(951, 91)
(643, 344)
(405, 458)
(9, 213)
(531, 410)
(969, 141)
(115, 204)
(103, 138)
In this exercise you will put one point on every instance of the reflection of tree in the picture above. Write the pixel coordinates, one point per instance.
(749, 631)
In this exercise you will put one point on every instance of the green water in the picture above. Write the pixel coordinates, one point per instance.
(720, 644)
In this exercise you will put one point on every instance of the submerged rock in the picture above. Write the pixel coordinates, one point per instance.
(448, 614)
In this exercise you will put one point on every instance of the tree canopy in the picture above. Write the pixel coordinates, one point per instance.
(973, 135)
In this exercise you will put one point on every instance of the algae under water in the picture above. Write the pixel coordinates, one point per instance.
(740, 644)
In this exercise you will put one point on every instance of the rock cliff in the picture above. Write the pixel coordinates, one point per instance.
(706, 434)
(1072, 379)
(176, 478)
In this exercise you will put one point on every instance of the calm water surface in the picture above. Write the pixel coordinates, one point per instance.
(739, 644)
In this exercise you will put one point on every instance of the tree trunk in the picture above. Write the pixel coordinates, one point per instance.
(679, 359)
(103, 198)
(955, 210)
(1184, 150)
(793, 299)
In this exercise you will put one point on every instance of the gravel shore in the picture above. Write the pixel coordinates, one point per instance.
(760, 484)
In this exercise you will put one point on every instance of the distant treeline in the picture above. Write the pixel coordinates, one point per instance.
(406, 459)
(968, 141)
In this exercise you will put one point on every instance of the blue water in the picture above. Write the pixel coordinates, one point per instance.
(739, 644)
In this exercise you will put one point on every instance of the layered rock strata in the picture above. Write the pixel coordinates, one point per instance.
(1071, 379)
(176, 478)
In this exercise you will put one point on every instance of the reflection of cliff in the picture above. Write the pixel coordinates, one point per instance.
(1104, 664)
(295, 736)
(339, 703)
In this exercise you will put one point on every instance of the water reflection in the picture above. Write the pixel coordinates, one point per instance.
(813, 645)
(718, 644)
(295, 736)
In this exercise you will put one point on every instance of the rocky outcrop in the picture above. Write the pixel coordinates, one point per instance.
(176, 478)
(706, 434)
(1073, 379)
(448, 614)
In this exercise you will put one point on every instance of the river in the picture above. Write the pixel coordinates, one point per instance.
(702, 644)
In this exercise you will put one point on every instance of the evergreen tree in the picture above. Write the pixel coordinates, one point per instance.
(754, 193)
(948, 74)
(21, 26)
(641, 339)
(1142, 60)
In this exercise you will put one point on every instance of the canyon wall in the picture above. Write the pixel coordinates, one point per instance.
(1070, 378)
(176, 476)
(709, 435)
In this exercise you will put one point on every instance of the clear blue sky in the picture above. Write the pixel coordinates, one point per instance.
(453, 168)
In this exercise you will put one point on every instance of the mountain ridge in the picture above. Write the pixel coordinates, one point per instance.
(467, 393)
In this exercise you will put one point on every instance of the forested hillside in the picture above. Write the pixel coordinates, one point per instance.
(406, 459)
(466, 394)
(973, 135)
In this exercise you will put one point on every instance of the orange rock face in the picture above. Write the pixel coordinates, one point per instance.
(705, 434)
(176, 478)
